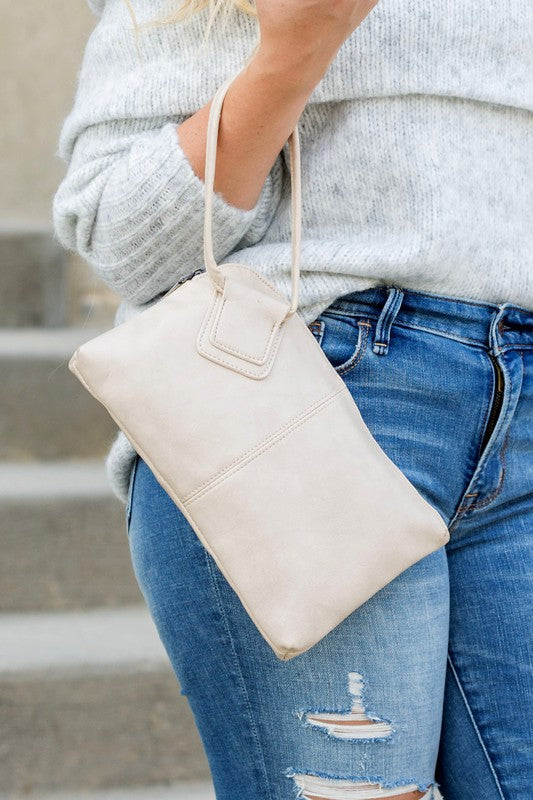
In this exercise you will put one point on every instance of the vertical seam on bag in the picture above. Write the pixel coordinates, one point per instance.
(242, 682)
(474, 725)
(254, 453)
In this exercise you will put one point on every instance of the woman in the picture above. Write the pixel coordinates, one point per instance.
(416, 136)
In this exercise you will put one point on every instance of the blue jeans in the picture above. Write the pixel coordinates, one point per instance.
(425, 689)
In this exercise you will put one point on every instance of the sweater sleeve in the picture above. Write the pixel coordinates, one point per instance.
(130, 202)
(133, 207)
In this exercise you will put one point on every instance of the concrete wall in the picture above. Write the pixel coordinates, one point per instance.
(42, 46)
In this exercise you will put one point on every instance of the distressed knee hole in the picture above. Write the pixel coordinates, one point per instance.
(353, 723)
(316, 787)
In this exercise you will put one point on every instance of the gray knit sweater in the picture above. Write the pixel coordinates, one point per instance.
(417, 161)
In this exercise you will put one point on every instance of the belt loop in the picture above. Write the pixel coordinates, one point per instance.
(386, 318)
(496, 329)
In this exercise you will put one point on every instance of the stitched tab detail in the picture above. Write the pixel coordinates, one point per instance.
(246, 320)
(243, 311)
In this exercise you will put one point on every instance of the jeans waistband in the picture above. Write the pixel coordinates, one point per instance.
(496, 326)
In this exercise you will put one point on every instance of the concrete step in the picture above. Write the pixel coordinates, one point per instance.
(89, 701)
(178, 791)
(33, 285)
(64, 538)
(45, 411)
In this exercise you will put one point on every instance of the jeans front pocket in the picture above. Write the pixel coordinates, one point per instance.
(130, 491)
(342, 338)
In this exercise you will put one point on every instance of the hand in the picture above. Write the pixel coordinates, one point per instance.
(306, 34)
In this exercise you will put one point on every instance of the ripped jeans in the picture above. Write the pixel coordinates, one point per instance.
(424, 691)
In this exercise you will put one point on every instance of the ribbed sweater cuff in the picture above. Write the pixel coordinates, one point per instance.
(139, 220)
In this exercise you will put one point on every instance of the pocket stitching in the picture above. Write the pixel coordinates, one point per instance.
(317, 328)
(360, 348)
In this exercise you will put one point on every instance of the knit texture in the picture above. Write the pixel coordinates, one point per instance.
(416, 149)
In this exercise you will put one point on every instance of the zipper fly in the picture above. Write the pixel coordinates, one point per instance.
(496, 402)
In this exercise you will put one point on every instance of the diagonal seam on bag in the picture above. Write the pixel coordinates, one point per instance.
(258, 449)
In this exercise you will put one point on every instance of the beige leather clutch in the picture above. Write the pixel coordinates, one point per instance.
(227, 396)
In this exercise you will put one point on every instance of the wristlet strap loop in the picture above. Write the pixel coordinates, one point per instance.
(214, 271)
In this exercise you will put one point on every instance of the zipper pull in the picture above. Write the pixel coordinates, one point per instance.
(183, 280)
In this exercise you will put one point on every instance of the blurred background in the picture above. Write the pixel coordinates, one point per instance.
(89, 705)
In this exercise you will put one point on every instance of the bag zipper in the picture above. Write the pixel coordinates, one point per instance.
(183, 279)
(496, 403)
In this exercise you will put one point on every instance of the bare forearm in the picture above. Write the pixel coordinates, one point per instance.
(262, 105)
(260, 110)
